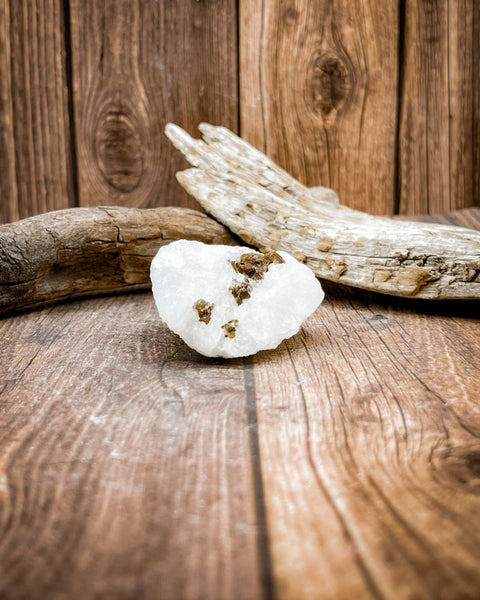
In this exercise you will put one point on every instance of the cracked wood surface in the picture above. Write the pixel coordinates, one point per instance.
(344, 464)
(266, 207)
(77, 250)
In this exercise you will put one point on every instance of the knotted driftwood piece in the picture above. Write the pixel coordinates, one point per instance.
(77, 250)
(267, 208)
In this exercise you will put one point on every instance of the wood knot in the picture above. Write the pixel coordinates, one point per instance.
(329, 82)
(472, 461)
(119, 149)
(289, 15)
(463, 467)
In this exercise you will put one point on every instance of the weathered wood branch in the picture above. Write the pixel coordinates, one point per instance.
(266, 207)
(77, 250)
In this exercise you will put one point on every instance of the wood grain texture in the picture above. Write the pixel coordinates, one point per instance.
(125, 467)
(78, 250)
(439, 123)
(344, 464)
(318, 93)
(138, 65)
(476, 105)
(35, 156)
(369, 435)
(8, 183)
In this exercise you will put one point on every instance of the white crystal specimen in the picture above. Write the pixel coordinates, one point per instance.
(231, 301)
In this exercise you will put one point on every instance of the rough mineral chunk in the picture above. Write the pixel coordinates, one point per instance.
(231, 301)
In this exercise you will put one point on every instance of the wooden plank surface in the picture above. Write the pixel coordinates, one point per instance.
(318, 93)
(439, 124)
(35, 154)
(370, 457)
(8, 183)
(125, 460)
(344, 464)
(138, 65)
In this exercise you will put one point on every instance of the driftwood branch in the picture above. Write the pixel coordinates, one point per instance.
(268, 208)
(72, 251)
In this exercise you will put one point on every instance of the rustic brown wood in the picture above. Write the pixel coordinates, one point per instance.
(35, 155)
(318, 93)
(381, 103)
(369, 436)
(137, 65)
(125, 467)
(8, 184)
(130, 465)
(370, 442)
(476, 106)
(266, 207)
(76, 250)
(438, 158)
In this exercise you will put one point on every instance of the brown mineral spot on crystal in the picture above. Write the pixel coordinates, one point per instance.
(241, 291)
(381, 276)
(300, 256)
(337, 265)
(273, 257)
(254, 265)
(277, 234)
(325, 244)
(246, 236)
(230, 328)
(412, 277)
(204, 310)
(309, 230)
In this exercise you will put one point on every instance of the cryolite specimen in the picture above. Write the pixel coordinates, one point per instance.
(267, 208)
(231, 301)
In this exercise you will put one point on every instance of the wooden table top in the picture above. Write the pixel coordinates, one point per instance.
(344, 464)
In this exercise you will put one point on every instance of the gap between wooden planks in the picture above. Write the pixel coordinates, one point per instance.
(345, 464)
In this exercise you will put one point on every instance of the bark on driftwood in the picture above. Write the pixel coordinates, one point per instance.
(77, 250)
(268, 208)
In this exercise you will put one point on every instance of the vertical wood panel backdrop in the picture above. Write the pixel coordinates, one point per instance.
(379, 100)
(325, 92)
(438, 116)
(35, 145)
(136, 66)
